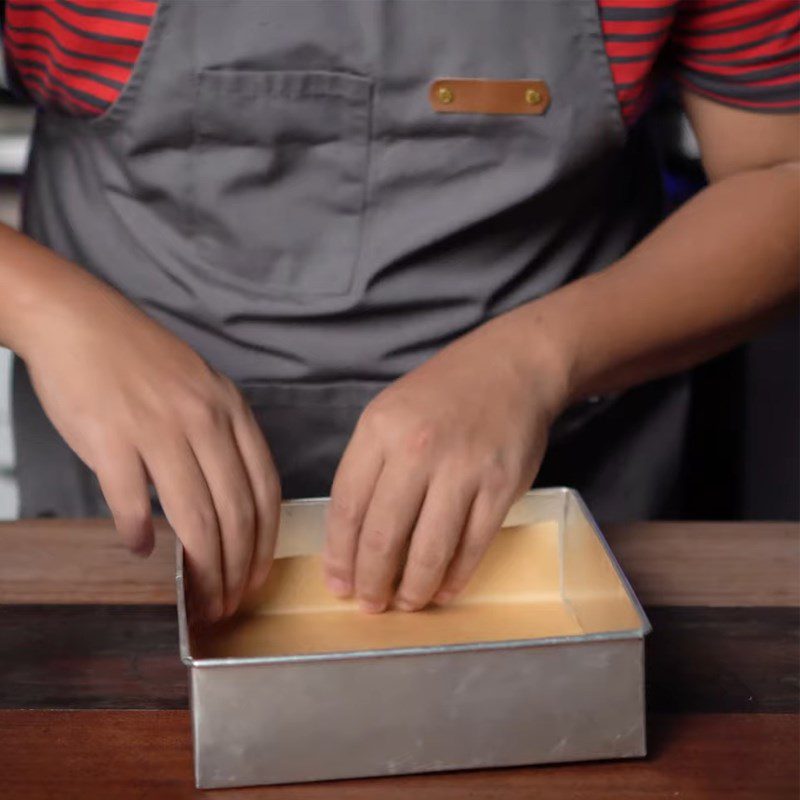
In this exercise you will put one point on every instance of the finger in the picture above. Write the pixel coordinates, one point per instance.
(217, 453)
(436, 536)
(123, 482)
(352, 489)
(266, 490)
(382, 542)
(189, 508)
(485, 519)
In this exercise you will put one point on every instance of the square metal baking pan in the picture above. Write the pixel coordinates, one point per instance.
(540, 661)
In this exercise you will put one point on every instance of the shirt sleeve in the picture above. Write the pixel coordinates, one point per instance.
(3, 68)
(743, 53)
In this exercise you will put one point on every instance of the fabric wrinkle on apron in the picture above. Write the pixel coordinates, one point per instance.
(274, 186)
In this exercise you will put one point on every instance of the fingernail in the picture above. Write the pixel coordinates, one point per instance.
(404, 605)
(214, 611)
(443, 598)
(259, 577)
(231, 606)
(338, 587)
(371, 607)
(143, 550)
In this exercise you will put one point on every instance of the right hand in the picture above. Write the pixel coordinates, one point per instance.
(139, 406)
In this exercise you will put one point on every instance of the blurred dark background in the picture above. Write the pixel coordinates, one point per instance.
(743, 453)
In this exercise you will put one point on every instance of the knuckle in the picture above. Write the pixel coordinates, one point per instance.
(268, 494)
(201, 413)
(474, 549)
(372, 589)
(202, 578)
(450, 588)
(273, 488)
(377, 544)
(496, 476)
(234, 586)
(429, 561)
(420, 439)
(240, 518)
(262, 564)
(338, 569)
(133, 518)
(235, 400)
(413, 599)
(370, 419)
(99, 441)
(344, 510)
(228, 389)
(378, 416)
(202, 523)
(373, 599)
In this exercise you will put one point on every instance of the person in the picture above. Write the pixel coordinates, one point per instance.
(384, 250)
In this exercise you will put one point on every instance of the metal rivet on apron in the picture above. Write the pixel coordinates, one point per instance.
(445, 95)
(533, 97)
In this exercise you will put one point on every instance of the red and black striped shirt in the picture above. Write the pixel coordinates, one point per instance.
(744, 53)
(76, 55)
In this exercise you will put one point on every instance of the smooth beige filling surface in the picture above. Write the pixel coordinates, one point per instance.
(515, 594)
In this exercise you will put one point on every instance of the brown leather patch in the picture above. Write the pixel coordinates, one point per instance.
(482, 96)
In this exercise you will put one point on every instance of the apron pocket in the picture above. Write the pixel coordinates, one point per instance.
(279, 168)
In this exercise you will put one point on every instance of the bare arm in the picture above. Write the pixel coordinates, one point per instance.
(138, 406)
(702, 281)
(438, 457)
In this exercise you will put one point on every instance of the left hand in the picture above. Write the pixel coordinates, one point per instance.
(433, 466)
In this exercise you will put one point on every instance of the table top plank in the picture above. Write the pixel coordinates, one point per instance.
(710, 563)
(83, 755)
(79, 656)
(82, 561)
(668, 563)
(84, 625)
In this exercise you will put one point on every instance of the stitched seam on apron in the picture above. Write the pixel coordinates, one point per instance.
(129, 93)
(304, 404)
(365, 191)
(593, 36)
(285, 402)
(194, 145)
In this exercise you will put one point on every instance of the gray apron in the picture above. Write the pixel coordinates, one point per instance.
(274, 187)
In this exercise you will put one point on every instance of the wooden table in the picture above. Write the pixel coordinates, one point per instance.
(93, 697)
